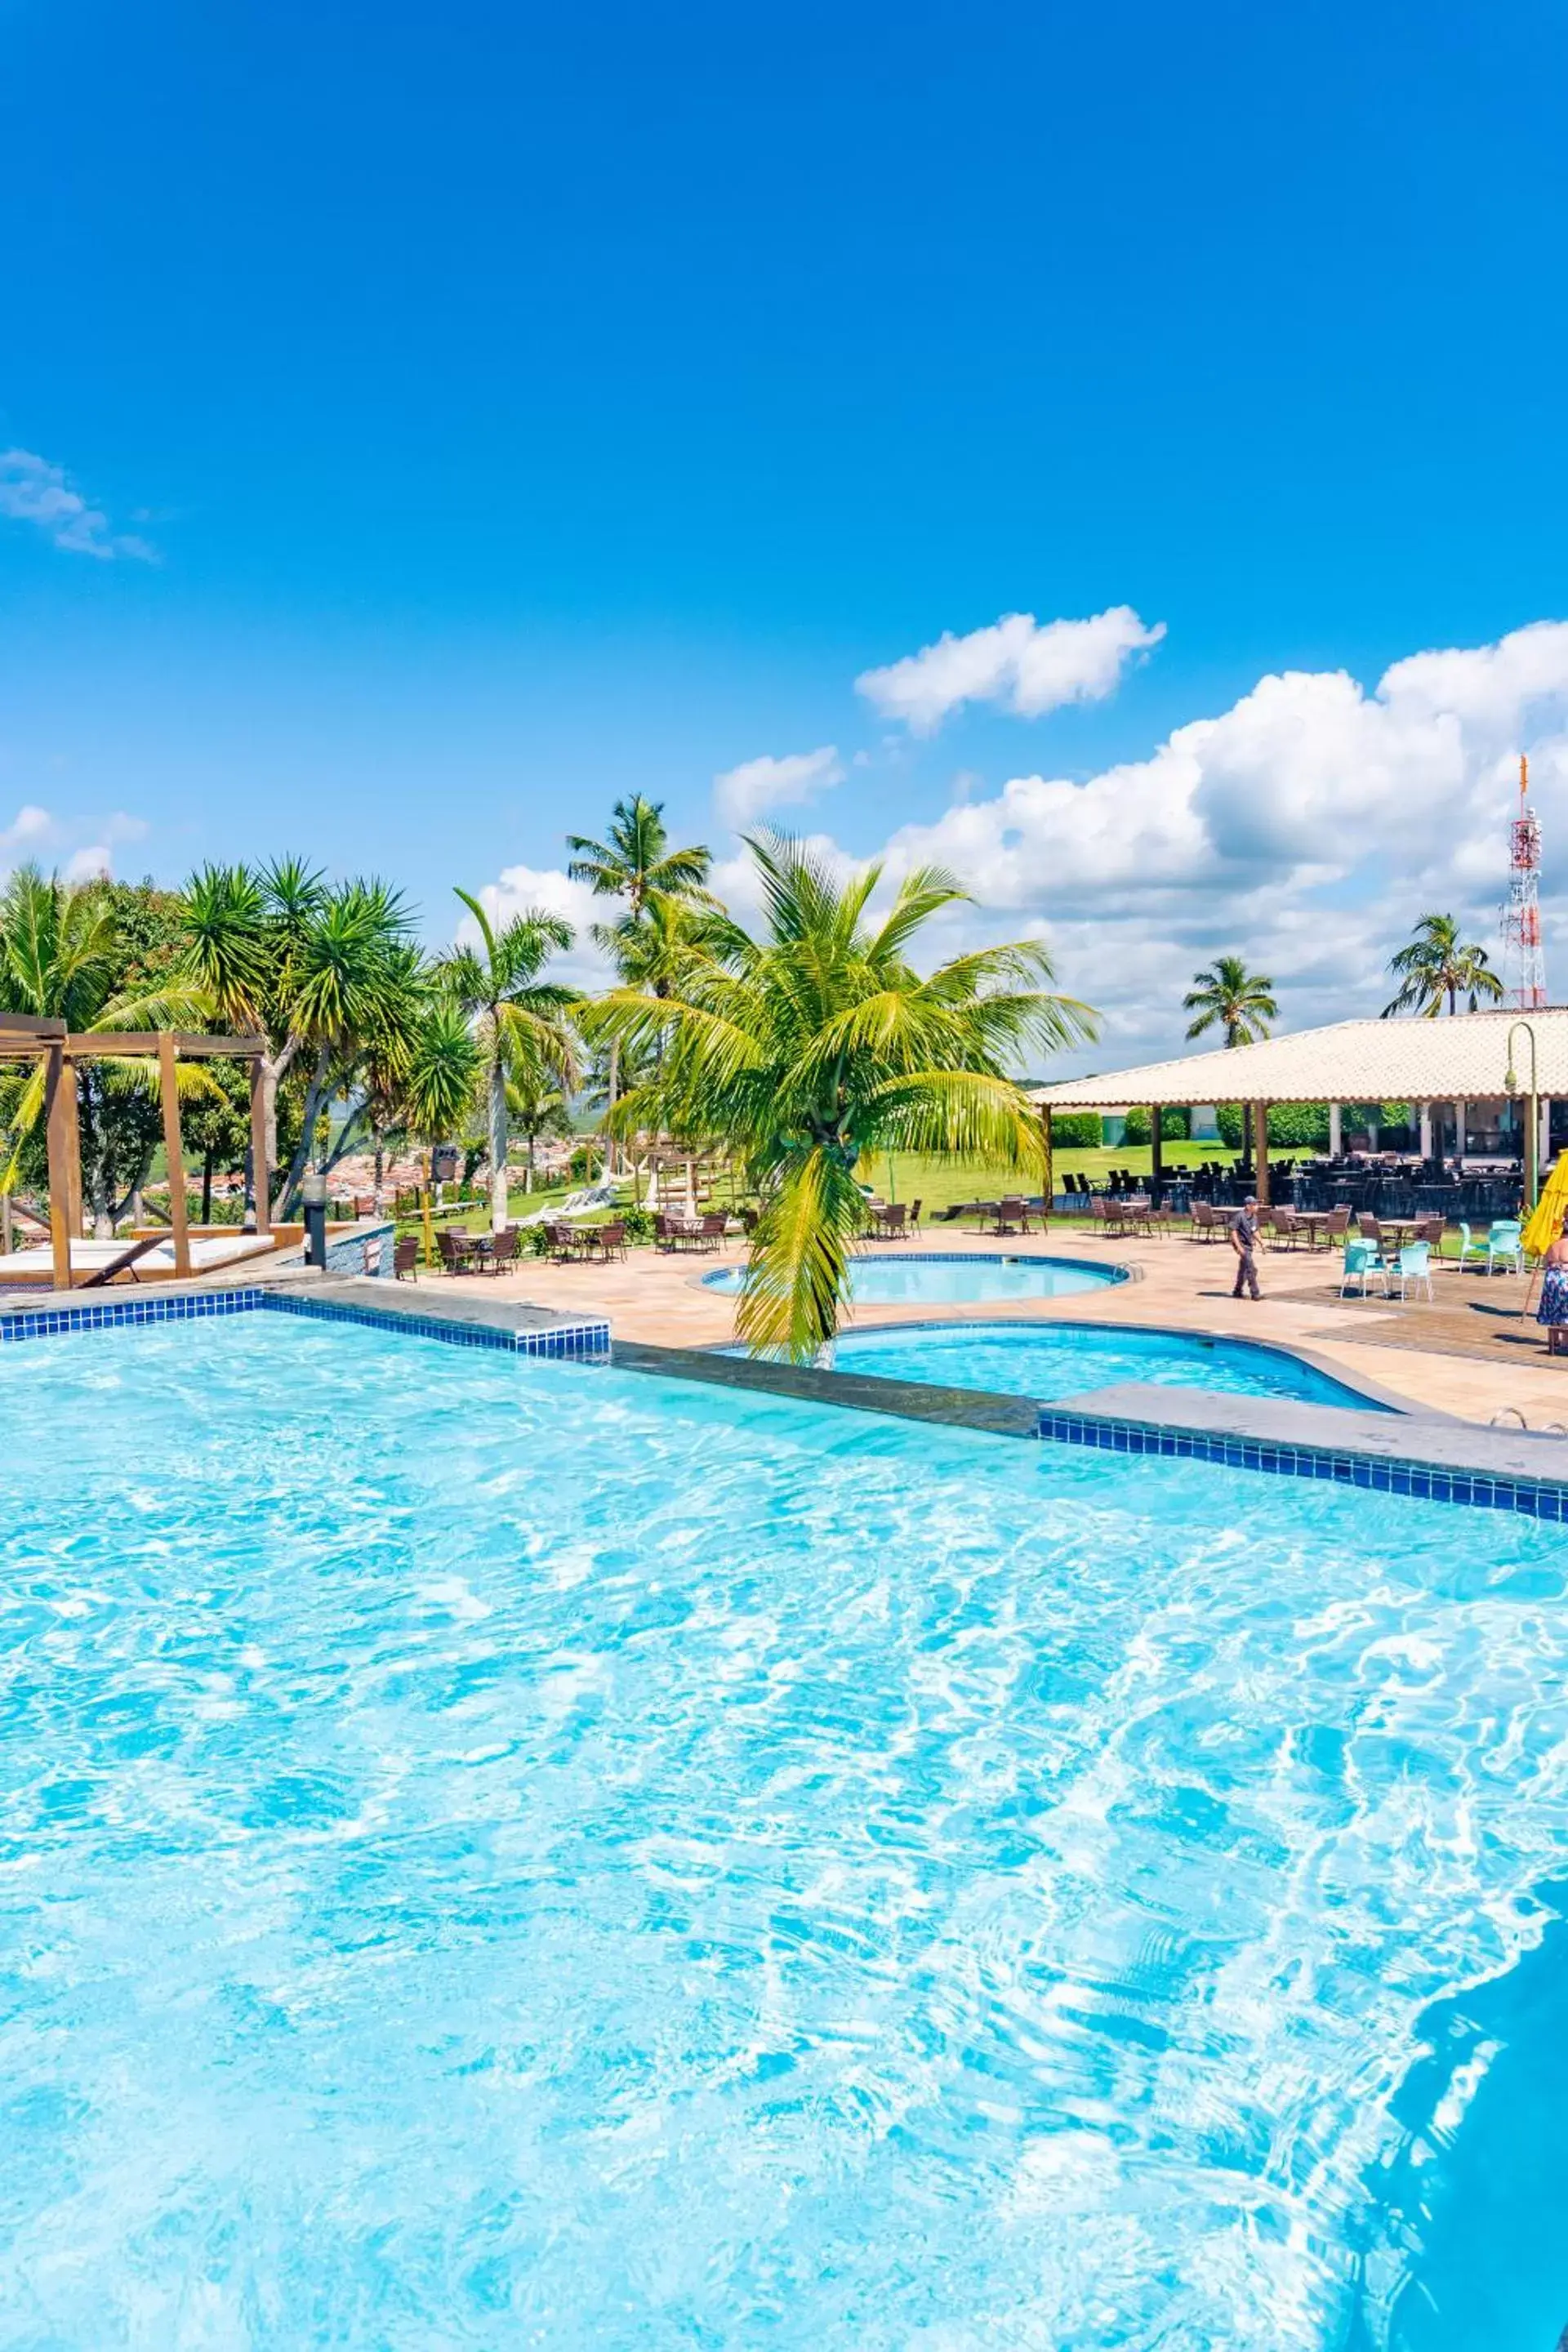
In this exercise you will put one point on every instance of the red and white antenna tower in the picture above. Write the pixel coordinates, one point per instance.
(1524, 962)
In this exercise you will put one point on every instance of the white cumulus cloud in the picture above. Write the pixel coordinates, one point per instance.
(34, 490)
(1023, 665)
(742, 794)
(1305, 827)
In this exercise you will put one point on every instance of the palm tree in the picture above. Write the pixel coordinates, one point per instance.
(635, 857)
(442, 1073)
(331, 974)
(1230, 997)
(819, 1043)
(522, 1017)
(537, 1109)
(636, 862)
(1437, 965)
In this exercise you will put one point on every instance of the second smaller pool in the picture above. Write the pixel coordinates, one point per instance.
(1063, 1359)
(961, 1277)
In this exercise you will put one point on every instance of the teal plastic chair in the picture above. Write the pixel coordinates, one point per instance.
(1363, 1261)
(1506, 1240)
(1472, 1251)
(1414, 1264)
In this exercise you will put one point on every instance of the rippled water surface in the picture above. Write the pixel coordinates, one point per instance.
(1061, 1359)
(505, 1855)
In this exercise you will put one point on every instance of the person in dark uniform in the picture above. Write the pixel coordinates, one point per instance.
(1244, 1241)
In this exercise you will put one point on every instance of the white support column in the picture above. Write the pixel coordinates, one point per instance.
(1461, 1121)
(1426, 1130)
(1544, 1148)
(1335, 1141)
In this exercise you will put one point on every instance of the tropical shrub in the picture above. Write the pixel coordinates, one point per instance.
(1176, 1125)
(1076, 1131)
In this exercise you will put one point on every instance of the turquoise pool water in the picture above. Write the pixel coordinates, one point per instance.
(501, 1853)
(906, 1281)
(1066, 1359)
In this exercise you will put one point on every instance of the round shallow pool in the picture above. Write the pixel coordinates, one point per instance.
(1062, 1360)
(957, 1278)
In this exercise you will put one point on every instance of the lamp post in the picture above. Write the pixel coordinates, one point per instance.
(1531, 1170)
(313, 1196)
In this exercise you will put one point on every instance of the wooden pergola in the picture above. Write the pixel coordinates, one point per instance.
(23, 1038)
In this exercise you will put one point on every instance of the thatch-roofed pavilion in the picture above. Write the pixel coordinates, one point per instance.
(1463, 1060)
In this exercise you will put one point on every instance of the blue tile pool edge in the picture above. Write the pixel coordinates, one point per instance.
(1535, 1498)
(585, 1342)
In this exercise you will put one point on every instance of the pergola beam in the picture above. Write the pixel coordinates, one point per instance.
(179, 1207)
(59, 1131)
(96, 1043)
(29, 1024)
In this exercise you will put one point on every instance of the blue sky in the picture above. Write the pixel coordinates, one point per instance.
(477, 413)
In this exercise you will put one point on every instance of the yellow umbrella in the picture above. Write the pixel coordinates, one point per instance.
(1549, 1210)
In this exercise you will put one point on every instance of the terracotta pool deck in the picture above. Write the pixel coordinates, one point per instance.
(1469, 1352)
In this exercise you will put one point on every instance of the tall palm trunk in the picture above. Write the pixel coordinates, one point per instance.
(610, 1094)
(498, 1140)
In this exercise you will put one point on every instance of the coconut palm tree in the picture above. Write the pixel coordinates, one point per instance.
(634, 862)
(1229, 997)
(522, 1017)
(537, 1109)
(1436, 967)
(635, 859)
(819, 1043)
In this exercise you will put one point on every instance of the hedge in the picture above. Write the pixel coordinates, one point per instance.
(1304, 1127)
(1176, 1125)
(1075, 1130)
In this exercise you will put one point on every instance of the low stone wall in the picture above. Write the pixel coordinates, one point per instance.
(364, 1249)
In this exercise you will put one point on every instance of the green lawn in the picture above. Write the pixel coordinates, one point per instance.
(937, 1184)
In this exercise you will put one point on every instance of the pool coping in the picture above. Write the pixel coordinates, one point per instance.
(1427, 1457)
(507, 1324)
(978, 1409)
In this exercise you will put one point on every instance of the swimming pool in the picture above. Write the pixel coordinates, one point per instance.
(502, 1852)
(1060, 1359)
(912, 1280)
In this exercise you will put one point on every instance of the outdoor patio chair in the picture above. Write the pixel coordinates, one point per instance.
(1011, 1216)
(915, 1208)
(405, 1258)
(564, 1242)
(1414, 1264)
(606, 1241)
(1363, 1263)
(1207, 1224)
(504, 1248)
(1336, 1225)
(1472, 1249)
(455, 1251)
(1506, 1240)
(888, 1224)
(1287, 1232)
